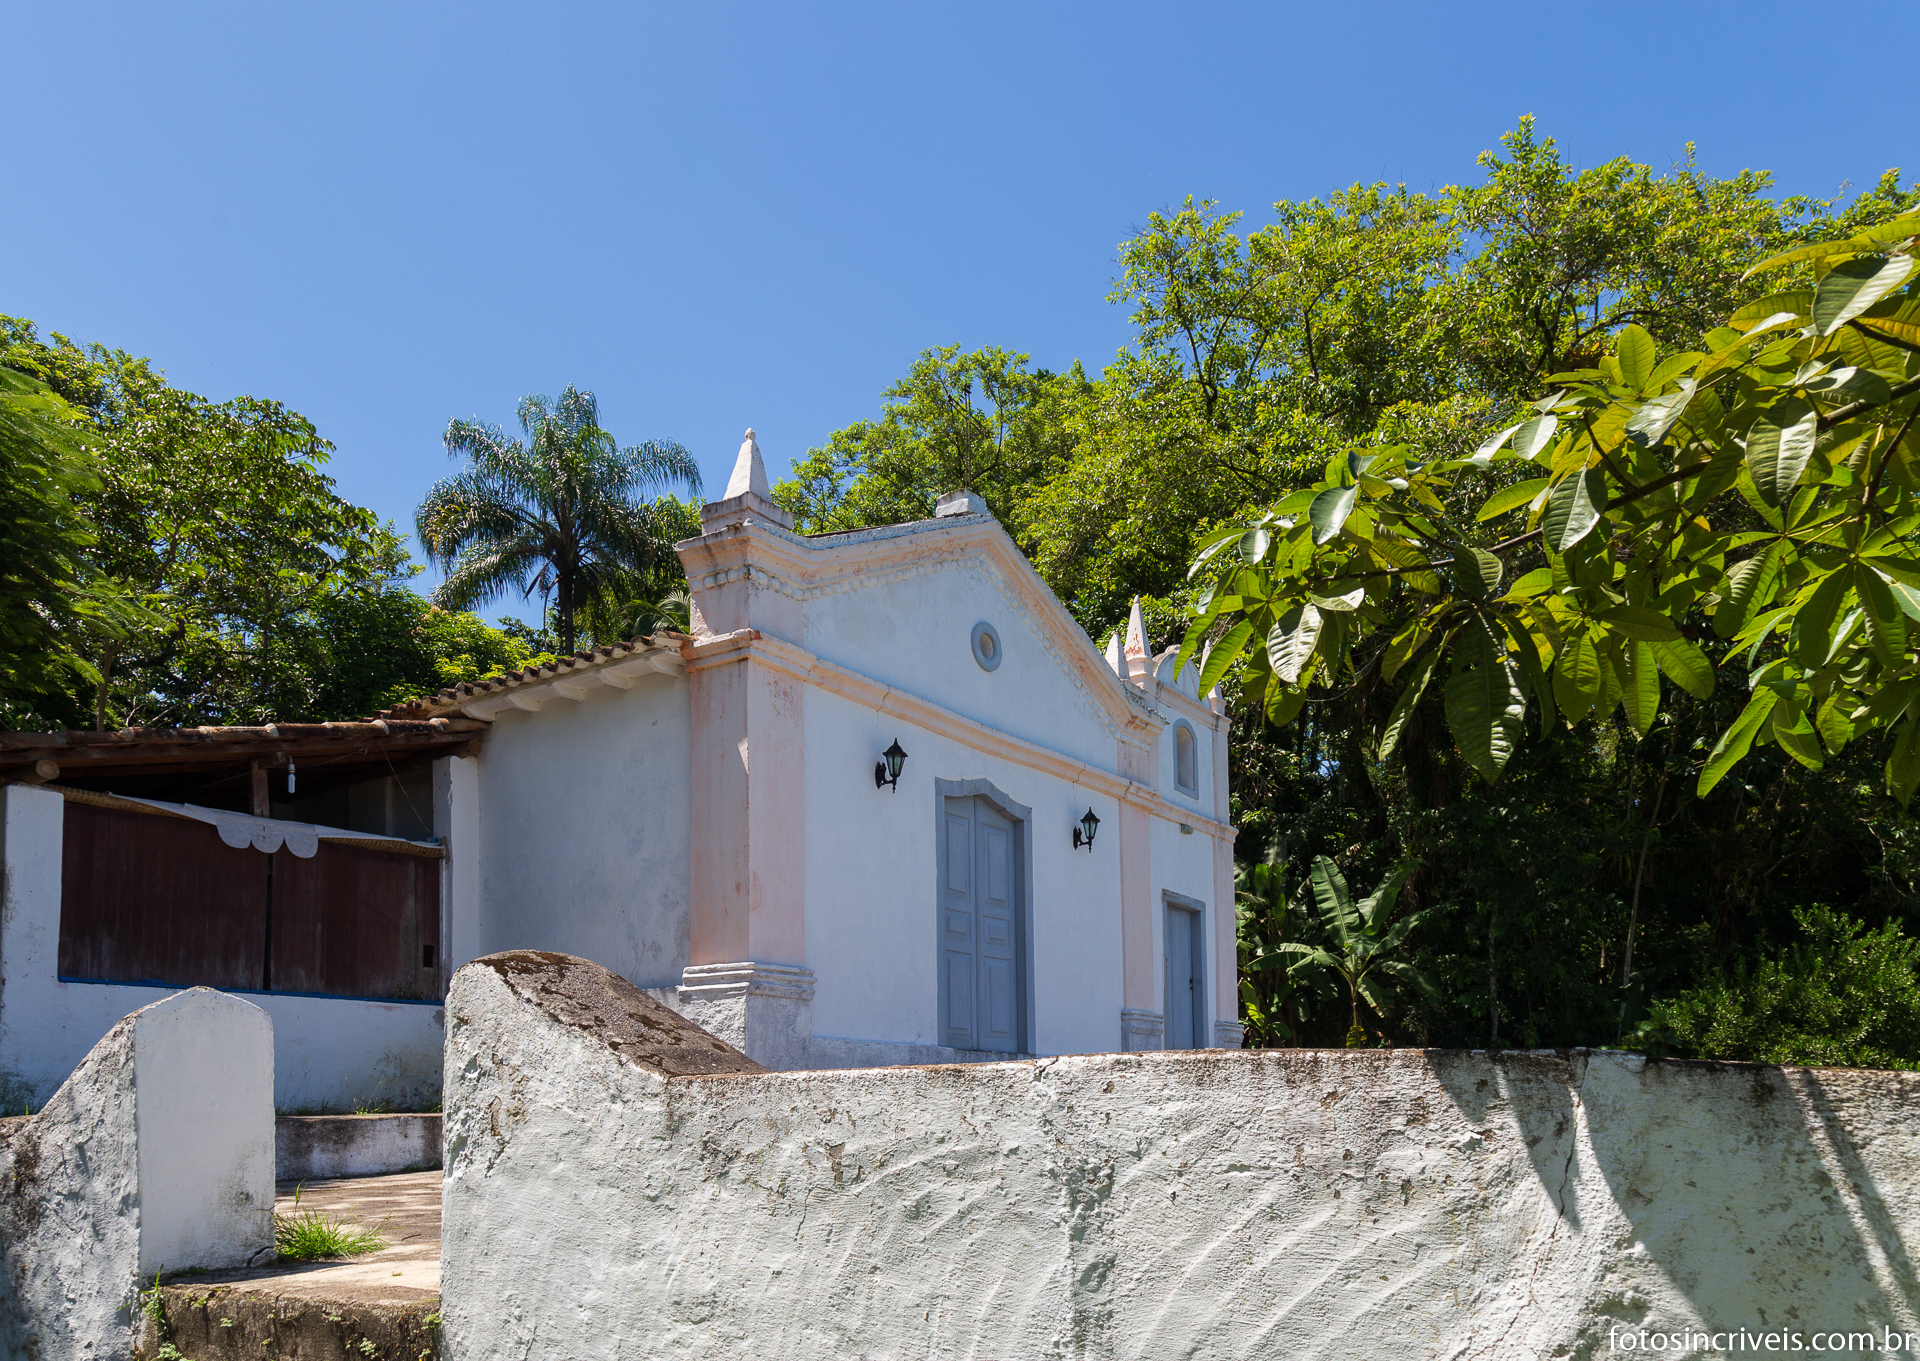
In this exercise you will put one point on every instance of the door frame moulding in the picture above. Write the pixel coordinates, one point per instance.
(1022, 818)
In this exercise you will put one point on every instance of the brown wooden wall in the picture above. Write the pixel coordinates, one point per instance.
(147, 899)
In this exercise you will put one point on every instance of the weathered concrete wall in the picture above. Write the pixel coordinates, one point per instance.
(331, 1051)
(1276, 1203)
(157, 1152)
(312, 1147)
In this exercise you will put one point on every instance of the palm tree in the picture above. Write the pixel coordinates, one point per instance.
(1363, 943)
(559, 514)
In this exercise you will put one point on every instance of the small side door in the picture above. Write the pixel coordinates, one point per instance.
(1185, 987)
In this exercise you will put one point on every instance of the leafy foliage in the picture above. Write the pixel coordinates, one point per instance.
(1765, 483)
(977, 420)
(49, 587)
(216, 523)
(1362, 944)
(556, 515)
(1843, 996)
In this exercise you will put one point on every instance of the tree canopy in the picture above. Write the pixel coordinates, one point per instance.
(209, 571)
(559, 515)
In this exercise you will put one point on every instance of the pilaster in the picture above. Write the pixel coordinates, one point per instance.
(749, 810)
(1141, 1031)
(763, 1010)
(1139, 992)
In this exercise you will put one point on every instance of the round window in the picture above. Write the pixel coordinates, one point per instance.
(986, 645)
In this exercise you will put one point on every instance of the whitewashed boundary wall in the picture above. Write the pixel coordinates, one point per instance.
(1396, 1204)
(157, 1152)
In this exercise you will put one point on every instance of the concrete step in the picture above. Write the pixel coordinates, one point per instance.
(316, 1147)
(383, 1305)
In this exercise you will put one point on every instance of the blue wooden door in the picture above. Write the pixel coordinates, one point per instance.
(980, 956)
(1183, 979)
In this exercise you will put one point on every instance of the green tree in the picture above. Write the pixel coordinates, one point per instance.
(216, 519)
(977, 419)
(49, 589)
(1361, 947)
(1788, 431)
(557, 514)
(1379, 317)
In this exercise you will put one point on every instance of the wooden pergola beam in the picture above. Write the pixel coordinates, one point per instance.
(198, 755)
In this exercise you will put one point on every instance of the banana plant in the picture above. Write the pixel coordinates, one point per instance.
(1363, 944)
(1271, 1004)
(1759, 494)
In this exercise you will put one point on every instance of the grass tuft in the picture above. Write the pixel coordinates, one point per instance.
(309, 1236)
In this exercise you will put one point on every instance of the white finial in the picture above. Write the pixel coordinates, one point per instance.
(1135, 650)
(749, 472)
(1113, 655)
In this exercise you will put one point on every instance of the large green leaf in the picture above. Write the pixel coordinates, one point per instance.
(1811, 637)
(1819, 250)
(1486, 711)
(1851, 288)
(1475, 572)
(1378, 905)
(1223, 654)
(1530, 437)
(1507, 498)
(1778, 447)
(1253, 545)
(1649, 425)
(1335, 901)
(1637, 621)
(1329, 511)
(1636, 352)
(1686, 666)
(1290, 642)
(1793, 733)
(1749, 585)
(1573, 509)
(1576, 677)
(1798, 300)
(1737, 740)
(1640, 686)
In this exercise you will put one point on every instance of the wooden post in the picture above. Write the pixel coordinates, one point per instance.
(262, 806)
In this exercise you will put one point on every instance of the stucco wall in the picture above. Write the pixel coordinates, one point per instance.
(915, 633)
(1277, 1203)
(872, 891)
(585, 825)
(328, 1051)
(157, 1152)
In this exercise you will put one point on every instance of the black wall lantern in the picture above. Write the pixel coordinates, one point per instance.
(886, 772)
(1084, 830)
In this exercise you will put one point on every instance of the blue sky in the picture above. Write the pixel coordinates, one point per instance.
(719, 215)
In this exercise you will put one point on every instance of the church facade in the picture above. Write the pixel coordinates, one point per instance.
(885, 803)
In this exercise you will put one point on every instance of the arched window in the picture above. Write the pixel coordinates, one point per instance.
(1186, 770)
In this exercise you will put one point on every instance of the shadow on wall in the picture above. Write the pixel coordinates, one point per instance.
(1715, 1197)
